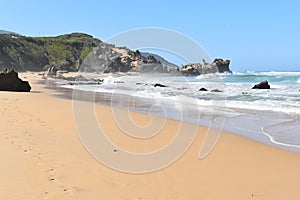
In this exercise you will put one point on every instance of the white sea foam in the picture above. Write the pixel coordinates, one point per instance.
(237, 96)
(271, 73)
(274, 130)
(207, 76)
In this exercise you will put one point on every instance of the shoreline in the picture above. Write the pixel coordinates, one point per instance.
(45, 159)
(249, 131)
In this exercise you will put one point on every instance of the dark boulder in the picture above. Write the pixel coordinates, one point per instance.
(262, 85)
(9, 81)
(216, 90)
(159, 85)
(203, 89)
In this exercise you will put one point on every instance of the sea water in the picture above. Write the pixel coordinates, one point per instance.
(269, 116)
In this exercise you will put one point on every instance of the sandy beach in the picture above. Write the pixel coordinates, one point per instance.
(43, 158)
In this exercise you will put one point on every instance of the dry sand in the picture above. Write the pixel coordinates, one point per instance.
(43, 158)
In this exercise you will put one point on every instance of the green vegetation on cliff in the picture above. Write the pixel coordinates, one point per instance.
(34, 53)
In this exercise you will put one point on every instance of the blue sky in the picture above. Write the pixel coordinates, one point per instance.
(255, 35)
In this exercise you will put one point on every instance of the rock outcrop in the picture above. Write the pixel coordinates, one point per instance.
(10, 81)
(130, 61)
(161, 60)
(108, 58)
(262, 85)
(222, 65)
(195, 69)
(51, 70)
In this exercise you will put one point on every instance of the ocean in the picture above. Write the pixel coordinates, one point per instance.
(268, 116)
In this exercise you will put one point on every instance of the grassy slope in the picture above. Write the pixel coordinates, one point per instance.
(33, 53)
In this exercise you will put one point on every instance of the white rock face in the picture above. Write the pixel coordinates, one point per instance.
(107, 58)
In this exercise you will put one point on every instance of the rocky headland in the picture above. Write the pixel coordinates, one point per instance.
(82, 52)
(195, 69)
(74, 52)
(107, 58)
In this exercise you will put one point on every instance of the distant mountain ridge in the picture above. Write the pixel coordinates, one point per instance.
(9, 33)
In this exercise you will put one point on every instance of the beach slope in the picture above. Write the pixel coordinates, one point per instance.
(43, 158)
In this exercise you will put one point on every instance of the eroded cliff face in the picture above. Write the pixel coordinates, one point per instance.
(194, 69)
(107, 58)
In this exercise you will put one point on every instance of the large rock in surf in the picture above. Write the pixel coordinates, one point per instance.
(9, 81)
(203, 89)
(262, 85)
(159, 85)
(195, 69)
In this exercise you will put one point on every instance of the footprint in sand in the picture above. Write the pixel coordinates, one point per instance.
(67, 190)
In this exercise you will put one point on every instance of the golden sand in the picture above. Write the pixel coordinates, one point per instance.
(43, 158)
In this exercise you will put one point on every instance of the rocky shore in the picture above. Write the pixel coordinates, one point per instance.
(195, 69)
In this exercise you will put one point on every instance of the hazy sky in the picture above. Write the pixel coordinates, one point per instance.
(255, 35)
